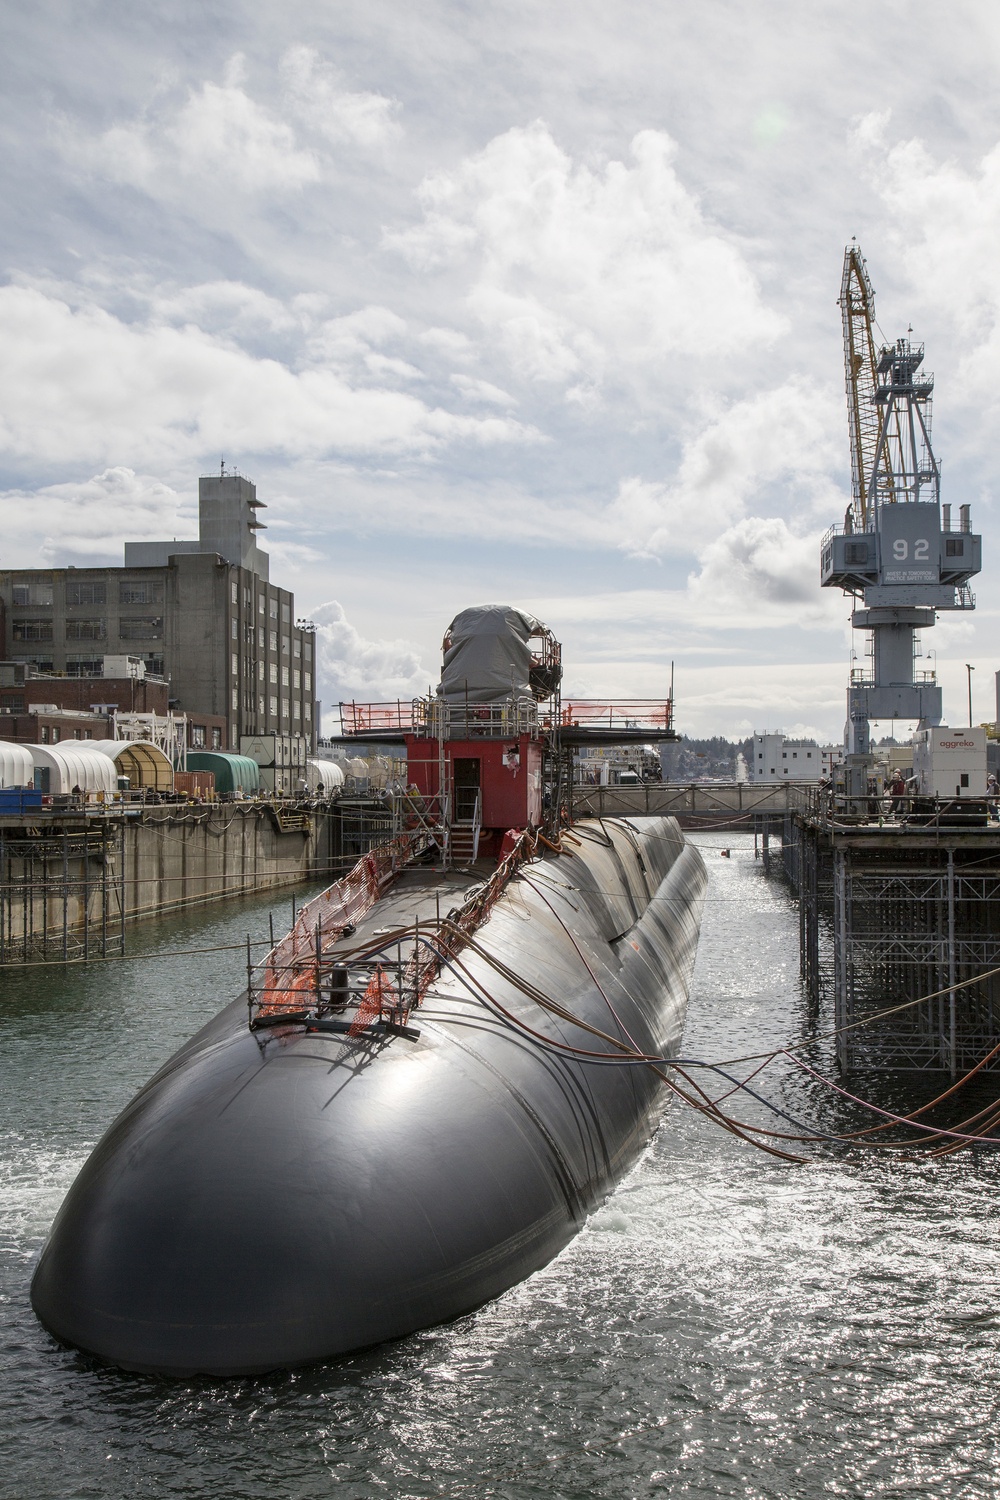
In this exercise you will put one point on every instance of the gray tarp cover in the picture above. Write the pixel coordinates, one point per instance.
(487, 658)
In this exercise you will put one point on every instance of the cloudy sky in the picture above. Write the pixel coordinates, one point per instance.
(529, 302)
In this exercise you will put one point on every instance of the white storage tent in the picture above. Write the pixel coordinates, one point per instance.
(324, 777)
(16, 765)
(143, 763)
(62, 767)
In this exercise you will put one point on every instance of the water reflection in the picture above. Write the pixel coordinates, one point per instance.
(726, 1325)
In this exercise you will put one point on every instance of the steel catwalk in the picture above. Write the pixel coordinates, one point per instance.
(269, 1200)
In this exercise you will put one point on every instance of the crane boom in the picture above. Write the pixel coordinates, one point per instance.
(857, 305)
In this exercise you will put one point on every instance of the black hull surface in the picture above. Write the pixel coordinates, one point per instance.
(273, 1199)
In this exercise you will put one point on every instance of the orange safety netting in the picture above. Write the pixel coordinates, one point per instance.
(291, 967)
(379, 996)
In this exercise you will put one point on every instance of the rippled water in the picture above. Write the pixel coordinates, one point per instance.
(727, 1325)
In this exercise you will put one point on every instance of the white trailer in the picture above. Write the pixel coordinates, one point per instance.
(950, 762)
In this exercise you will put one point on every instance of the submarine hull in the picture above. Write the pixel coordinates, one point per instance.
(274, 1199)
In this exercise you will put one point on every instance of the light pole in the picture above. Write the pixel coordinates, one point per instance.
(969, 669)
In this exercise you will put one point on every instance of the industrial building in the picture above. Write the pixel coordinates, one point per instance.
(202, 614)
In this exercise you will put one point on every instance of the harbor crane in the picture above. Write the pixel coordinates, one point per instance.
(896, 553)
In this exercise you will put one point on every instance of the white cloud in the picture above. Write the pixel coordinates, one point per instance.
(316, 94)
(482, 390)
(353, 667)
(221, 138)
(88, 521)
(218, 134)
(784, 438)
(81, 386)
(760, 569)
(944, 227)
(582, 273)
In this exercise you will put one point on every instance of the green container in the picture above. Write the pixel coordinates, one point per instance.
(233, 773)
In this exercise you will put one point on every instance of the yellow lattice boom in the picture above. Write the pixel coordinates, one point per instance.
(857, 305)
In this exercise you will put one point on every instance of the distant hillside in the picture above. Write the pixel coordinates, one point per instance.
(695, 760)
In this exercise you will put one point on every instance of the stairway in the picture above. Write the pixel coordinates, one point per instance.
(463, 843)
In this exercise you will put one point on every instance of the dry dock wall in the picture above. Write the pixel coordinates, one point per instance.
(70, 883)
(180, 858)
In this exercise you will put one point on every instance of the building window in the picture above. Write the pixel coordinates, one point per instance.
(284, 645)
(307, 650)
(260, 637)
(44, 734)
(235, 665)
(85, 666)
(154, 662)
(260, 706)
(247, 599)
(236, 700)
(954, 546)
(272, 640)
(309, 711)
(86, 593)
(140, 591)
(307, 681)
(31, 630)
(296, 679)
(286, 614)
(216, 738)
(274, 609)
(234, 590)
(284, 708)
(295, 708)
(284, 677)
(12, 703)
(234, 630)
(55, 734)
(85, 630)
(261, 602)
(273, 707)
(260, 671)
(197, 736)
(272, 672)
(32, 594)
(141, 628)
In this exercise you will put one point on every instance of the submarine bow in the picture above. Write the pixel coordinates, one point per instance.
(273, 1199)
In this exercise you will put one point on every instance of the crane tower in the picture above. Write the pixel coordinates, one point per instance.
(896, 553)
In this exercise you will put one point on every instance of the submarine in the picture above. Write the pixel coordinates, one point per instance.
(430, 1082)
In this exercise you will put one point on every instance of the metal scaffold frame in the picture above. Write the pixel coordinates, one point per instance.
(62, 893)
(888, 919)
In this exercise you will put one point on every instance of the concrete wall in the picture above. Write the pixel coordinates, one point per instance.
(65, 882)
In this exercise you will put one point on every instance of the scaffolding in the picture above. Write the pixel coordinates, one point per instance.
(62, 891)
(894, 914)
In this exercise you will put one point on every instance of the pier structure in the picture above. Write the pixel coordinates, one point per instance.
(894, 909)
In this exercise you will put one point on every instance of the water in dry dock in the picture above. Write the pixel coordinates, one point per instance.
(726, 1325)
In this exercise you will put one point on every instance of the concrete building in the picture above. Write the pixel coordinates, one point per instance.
(773, 758)
(202, 614)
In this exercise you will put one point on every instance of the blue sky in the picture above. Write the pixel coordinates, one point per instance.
(534, 304)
